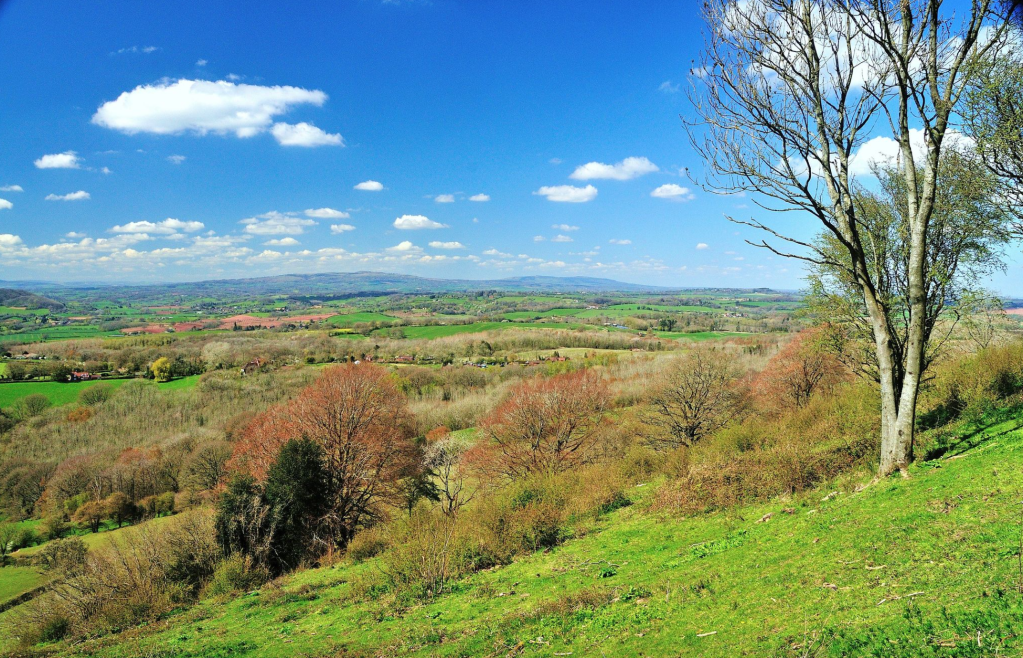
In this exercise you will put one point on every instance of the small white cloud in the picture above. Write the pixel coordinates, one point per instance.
(5, 204)
(176, 159)
(616, 241)
(703, 245)
(444, 198)
(369, 186)
(555, 161)
(568, 193)
(166, 227)
(304, 134)
(65, 160)
(669, 87)
(447, 245)
(338, 229)
(561, 238)
(564, 227)
(74, 235)
(672, 191)
(80, 195)
(146, 50)
(416, 222)
(276, 223)
(105, 170)
(11, 188)
(475, 220)
(495, 252)
(201, 62)
(627, 169)
(403, 246)
(538, 238)
(326, 213)
(282, 242)
(8, 241)
(479, 197)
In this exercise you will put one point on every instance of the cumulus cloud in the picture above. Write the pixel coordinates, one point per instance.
(276, 223)
(403, 246)
(369, 186)
(282, 242)
(11, 188)
(176, 159)
(479, 197)
(5, 204)
(669, 87)
(201, 62)
(447, 245)
(204, 106)
(568, 193)
(74, 235)
(564, 227)
(561, 238)
(416, 222)
(80, 195)
(885, 150)
(304, 134)
(444, 198)
(65, 160)
(8, 241)
(672, 191)
(338, 229)
(538, 238)
(617, 241)
(166, 227)
(326, 213)
(145, 50)
(702, 245)
(495, 252)
(627, 169)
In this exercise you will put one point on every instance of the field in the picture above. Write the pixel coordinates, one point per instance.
(61, 393)
(348, 319)
(880, 571)
(14, 581)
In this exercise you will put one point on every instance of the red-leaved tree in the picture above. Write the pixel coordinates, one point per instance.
(545, 425)
(802, 369)
(362, 422)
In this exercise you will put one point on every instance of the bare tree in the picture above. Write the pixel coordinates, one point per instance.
(786, 93)
(443, 458)
(700, 394)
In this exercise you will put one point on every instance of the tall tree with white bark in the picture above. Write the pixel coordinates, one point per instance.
(787, 93)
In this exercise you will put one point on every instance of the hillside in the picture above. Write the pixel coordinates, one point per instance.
(923, 566)
(13, 298)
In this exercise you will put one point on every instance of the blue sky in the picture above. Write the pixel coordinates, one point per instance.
(185, 140)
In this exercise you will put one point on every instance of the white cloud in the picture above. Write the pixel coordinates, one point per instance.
(561, 238)
(672, 191)
(304, 134)
(338, 229)
(538, 238)
(703, 245)
(74, 235)
(568, 193)
(495, 252)
(166, 227)
(416, 222)
(5, 204)
(8, 241)
(282, 242)
(201, 62)
(669, 87)
(444, 198)
(176, 159)
(135, 49)
(616, 241)
(885, 150)
(326, 213)
(65, 160)
(627, 169)
(276, 223)
(564, 227)
(403, 246)
(11, 188)
(80, 195)
(202, 107)
(555, 161)
(480, 197)
(369, 186)
(447, 245)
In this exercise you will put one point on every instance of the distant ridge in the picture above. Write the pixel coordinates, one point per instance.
(361, 283)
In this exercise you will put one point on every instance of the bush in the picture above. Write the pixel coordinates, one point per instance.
(63, 555)
(236, 573)
(368, 543)
(33, 405)
(91, 396)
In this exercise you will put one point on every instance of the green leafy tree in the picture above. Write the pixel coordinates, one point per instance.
(296, 491)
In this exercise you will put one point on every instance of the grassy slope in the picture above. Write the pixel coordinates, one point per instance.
(824, 580)
(17, 580)
(67, 392)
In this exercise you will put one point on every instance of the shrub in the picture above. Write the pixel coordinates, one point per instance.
(33, 405)
(63, 555)
(236, 573)
(91, 396)
(368, 543)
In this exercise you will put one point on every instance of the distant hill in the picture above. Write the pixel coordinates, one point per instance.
(28, 300)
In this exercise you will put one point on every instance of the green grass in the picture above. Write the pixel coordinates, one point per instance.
(56, 333)
(699, 335)
(21, 312)
(922, 566)
(443, 330)
(554, 312)
(66, 393)
(15, 581)
(348, 319)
